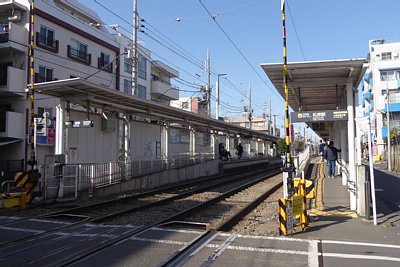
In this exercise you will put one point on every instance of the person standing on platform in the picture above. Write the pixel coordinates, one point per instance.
(331, 156)
(321, 149)
(239, 150)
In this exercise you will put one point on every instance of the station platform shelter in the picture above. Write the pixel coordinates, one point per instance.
(323, 94)
(104, 136)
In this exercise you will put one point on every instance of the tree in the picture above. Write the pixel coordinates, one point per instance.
(281, 146)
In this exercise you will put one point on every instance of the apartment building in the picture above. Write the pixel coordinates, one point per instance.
(70, 41)
(381, 89)
(193, 104)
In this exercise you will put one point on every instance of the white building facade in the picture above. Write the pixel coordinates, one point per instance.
(381, 89)
(71, 41)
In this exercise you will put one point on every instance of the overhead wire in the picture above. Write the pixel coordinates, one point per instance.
(190, 55)
(238, 49)
(295, 30)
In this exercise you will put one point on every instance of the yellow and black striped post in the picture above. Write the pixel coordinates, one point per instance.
(282, 217)
(31, 91)
(289, 165)
(303, 215)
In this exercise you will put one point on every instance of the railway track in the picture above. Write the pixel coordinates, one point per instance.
(148, 201)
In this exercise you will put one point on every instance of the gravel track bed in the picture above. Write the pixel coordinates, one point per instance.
(218, 213)
(263, 220)
(151, 215)
(44, 208)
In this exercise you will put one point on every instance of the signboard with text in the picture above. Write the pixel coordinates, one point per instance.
(319, 116)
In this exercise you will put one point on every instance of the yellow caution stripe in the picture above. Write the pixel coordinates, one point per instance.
(282, 217)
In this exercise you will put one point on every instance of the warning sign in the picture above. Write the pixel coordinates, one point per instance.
(297, 205)
(289, 218)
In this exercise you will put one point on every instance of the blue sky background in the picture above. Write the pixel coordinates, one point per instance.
(326, 30)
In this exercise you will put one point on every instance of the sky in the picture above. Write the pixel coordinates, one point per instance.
(246, 33)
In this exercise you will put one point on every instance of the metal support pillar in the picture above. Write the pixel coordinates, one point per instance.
(192, 143)
(60, 130)
(352, 155)
(164, 140)
(213, 143)
(345, 154)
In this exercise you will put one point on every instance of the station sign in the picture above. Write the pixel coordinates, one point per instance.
(79, 124)
(319, 116)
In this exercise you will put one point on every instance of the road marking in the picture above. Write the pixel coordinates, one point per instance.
(313, 253)
(21, 229)
(241, 248)
(360, 244)
(271, 238)
(356, 256)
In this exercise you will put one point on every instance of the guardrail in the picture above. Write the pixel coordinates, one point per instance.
(106, 173)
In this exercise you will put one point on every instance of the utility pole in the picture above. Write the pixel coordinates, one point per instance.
(250, 109)
(217, 95)
(274, 125)
(134, 48)
(208, 86)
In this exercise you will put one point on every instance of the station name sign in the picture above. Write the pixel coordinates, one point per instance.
(79, 124)
(321, 115)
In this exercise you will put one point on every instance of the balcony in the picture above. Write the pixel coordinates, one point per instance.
(162, 89)
(79, 56)
(13, 82)
(13, 36)
(46, 43)
(12, 125)
(108, 67)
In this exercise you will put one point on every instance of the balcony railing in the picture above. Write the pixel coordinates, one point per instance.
(4, 33)
(11, 125)
(40, 79)
(159, 87)
(108, 67)
(46, 43)
(16, 36)
(14, 81)
(79, 56)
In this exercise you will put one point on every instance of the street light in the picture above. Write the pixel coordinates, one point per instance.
(217, 95)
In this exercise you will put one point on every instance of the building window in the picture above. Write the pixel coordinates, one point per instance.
(142, 67)
(45, 39)
(79, 51)
(388, 75)
(141, 91)
(128, 62)
(104, 62)
(185, 105)
(45, 74)
(386, 56)
(128, 86)
(46, 36)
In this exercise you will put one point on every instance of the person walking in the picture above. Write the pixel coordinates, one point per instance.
(239, 150)
(331, 156)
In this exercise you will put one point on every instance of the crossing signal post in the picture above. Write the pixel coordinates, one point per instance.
(290, 203)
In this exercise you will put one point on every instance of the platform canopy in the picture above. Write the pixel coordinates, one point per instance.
(317, 85)
(83, 92)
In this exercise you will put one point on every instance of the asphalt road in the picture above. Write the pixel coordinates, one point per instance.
(387, 188)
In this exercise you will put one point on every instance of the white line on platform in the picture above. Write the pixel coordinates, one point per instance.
(356, 256)
(360, 244)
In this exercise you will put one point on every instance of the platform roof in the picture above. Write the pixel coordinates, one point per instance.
(79, 91)
(317, 85)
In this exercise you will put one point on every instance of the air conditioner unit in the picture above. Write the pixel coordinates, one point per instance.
(15, 15)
